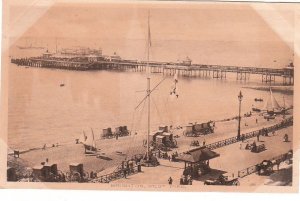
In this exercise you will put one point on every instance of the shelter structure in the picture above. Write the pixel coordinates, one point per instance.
(196, 161)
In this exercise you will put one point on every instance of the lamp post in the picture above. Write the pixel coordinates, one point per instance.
(240, 97)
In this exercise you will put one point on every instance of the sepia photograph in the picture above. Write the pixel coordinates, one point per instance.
(170, 96)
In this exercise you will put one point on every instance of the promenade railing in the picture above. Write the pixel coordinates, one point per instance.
(274, 161)
(285, 123)
(117, 174)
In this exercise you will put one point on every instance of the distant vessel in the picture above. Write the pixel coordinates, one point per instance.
(89, 144)
(62, 85)
(271, 106)
(254, 109)
(258, 99)
(29, 46)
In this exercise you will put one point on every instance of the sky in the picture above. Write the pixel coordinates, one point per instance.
(227, 34)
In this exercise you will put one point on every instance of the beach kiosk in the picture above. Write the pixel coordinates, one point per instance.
(76, 168)
(51, 169)
(107, 133)
(196, 161)
(11, 174)
(169, 136)
(153, 135)
(38, 172)
(163, 128)
(76, 173)
(46, 172)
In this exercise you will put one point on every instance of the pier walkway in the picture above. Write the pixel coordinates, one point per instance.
(166, 68)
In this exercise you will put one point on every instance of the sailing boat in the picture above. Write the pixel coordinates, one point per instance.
(271, 106)
(30, 46)
(89, 144)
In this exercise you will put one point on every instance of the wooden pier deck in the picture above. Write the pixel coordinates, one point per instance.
(268, 75)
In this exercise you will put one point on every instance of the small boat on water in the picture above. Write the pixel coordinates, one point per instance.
(256, 109)
(62, 85)
(258, 99)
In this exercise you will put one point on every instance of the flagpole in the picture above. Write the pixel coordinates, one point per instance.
(148, 42)
(148, 88)
(148, 133)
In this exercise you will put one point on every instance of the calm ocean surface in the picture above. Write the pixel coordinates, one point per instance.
(40, 111)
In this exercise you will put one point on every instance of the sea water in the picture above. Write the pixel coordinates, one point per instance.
(40, 111)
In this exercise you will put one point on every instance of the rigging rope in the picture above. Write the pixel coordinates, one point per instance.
(168, 110)
(150, 92)
(134, 129)
(158, 113)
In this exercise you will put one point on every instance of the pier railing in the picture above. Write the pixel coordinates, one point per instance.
(194, 70)
(229, 141)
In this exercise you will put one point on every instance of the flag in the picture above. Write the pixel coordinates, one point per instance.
(149, 32)
(176, 77)
(174, 90)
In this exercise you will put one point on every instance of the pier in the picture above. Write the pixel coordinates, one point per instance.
(268, 75)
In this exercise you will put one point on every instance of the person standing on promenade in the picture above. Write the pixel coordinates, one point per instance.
(243, 137)
(125, 172)
(258, 137)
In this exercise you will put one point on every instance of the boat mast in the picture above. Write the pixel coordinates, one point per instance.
(148, 131)
(94, 143)
(56, 45)
(148, 87)
(283, 106)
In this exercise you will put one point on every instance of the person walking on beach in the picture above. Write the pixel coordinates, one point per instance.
(204, 142)
(256, 120)
(44, 147)
(170, 180)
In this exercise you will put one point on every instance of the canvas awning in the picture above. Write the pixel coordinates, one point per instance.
(197, 155)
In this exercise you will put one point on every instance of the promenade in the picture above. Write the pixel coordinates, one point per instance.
(231, 160)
